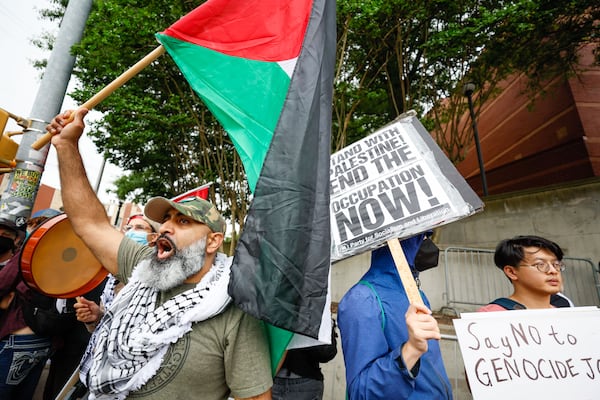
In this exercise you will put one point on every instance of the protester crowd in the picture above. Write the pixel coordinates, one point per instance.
(162, 325)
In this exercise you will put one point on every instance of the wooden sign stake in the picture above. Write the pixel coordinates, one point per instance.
(406, 276)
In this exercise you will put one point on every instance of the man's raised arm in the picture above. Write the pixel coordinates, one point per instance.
(83, 208)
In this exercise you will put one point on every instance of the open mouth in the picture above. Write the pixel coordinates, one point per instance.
(165, 247)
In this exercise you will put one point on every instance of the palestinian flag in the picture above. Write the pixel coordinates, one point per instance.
(200, 191)
(265, 70)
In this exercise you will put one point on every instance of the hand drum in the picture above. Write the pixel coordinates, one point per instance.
(56, 262)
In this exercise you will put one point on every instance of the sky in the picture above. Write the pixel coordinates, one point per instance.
(20, 23)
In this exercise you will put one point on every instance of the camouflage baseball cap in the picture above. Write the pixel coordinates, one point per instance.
(194, 207)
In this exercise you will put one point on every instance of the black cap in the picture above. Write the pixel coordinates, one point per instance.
(20, 231)
(6, 223)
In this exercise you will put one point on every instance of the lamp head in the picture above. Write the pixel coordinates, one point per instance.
(468, 89)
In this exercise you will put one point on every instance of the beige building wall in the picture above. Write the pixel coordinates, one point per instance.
(568, 214)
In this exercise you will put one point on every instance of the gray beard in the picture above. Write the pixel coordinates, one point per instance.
(172, 272)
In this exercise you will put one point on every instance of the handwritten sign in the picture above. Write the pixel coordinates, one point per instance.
(394, 183)
(526, 354)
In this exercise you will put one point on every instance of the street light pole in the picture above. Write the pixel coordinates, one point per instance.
(468, 90)
(16, 202)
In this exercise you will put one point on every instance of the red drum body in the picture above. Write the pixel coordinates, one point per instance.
(56, 262)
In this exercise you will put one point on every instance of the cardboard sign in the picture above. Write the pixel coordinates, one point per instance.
(532, 354)
(394, 183)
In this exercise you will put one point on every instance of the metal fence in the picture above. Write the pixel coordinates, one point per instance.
(473, 280)
(455, 367)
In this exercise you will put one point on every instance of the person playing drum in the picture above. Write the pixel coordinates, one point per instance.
(23, 352)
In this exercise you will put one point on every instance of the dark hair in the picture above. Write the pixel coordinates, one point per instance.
(510, 251)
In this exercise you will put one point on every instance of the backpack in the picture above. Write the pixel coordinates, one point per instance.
(556, 300)
(43, 318)
(508, 304)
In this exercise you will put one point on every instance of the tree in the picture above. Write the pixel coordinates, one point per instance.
(154, 126)
(396, 55)
(393, 56)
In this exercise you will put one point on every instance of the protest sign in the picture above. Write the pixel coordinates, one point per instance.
(393, 183)
(525, 354)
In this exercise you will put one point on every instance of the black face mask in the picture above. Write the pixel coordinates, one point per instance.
(427, 256)
(6, 244)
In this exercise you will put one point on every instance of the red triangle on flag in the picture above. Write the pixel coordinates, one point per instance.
(200, 191)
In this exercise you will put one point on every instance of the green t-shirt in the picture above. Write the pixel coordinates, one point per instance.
(226, 355)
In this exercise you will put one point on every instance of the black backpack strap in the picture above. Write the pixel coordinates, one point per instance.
(509, 304)
(559, 301)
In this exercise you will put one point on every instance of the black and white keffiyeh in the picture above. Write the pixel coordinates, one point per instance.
(135, 334)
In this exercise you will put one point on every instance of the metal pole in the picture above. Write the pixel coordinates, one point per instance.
(17, 201)
(99, 180)
(468, 91)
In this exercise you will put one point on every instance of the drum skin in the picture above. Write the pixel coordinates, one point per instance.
(56, 262)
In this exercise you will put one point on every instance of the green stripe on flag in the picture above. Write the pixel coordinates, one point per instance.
(281, 262)
(246, 96)
(278, 342)
(281, 130)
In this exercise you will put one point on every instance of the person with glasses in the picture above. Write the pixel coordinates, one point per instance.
(138, 227)
(534, 266)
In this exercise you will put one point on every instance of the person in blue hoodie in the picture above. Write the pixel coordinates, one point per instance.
(391, 349)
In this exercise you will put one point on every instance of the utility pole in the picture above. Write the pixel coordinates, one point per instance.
(24, 182)
(468, 90)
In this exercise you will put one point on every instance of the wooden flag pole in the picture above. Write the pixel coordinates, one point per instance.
(108, 89)
(68, 386)
(406, 276)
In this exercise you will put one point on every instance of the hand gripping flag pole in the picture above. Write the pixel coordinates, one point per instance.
(109, 89)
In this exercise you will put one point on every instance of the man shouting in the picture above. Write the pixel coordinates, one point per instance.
(172, 331)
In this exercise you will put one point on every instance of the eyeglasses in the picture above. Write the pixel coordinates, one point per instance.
(544, 266)
(137, 227)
